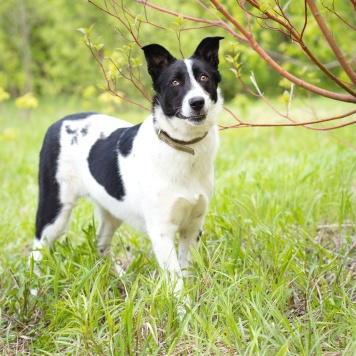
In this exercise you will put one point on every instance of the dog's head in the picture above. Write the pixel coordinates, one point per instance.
(186, 90)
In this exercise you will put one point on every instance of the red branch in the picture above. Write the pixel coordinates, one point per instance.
(306, 124)
(330, 39)
(255, 46)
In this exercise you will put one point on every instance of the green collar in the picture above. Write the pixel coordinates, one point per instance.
(177, 144)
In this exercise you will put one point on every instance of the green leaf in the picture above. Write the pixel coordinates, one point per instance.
(229, 58)
(285, 7)
(82, 282)
(138, 18)
(263, 6)
(136, 61)
(286, 96)
(90, 29)
(179, 20)
(234, 71)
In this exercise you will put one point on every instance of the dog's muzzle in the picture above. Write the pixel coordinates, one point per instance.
(194, 119)
(197, 104)
(197, 111)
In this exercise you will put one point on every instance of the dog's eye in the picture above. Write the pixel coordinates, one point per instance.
(175, 83)
(203, 78)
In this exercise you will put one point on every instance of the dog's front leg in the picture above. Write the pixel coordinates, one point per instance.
(162, 239)
(188, 241)
(190, 233)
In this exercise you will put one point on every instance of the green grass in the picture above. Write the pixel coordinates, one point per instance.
(275, 273)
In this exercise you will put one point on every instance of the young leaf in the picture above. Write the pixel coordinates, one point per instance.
(263, 6)
(234, 71)
(89, 29)
(179, 20)
(286, 96)
(229, 58)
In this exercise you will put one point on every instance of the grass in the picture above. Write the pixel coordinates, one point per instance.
(275, 273)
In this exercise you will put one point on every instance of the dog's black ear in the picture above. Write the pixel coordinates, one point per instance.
(208, 50)
(157, 58)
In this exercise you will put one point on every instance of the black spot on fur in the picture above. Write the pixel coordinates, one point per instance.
(84, 130)
(74, 134)
(104, 165)
(199, 235)
(49, 204)
(103, 159)
(127, 139)
(69, 131)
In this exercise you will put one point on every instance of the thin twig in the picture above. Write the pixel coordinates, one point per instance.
(333, 11)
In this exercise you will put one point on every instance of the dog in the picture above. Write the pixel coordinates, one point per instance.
(156, 176)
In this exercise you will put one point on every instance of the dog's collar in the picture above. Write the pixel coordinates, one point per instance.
(177, 144)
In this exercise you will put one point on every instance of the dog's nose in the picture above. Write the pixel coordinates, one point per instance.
(196, 103)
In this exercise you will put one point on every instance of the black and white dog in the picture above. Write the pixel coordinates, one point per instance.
(157, 176)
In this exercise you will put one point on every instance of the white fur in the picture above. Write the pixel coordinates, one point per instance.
(196, 90)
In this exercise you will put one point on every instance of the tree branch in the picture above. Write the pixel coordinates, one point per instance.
(255, 46)
(330, 39)
(306, 124)
(295, 36)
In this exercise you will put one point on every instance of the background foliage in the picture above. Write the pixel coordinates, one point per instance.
(40, 46)
(41, 49)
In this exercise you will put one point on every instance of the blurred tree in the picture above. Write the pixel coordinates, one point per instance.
(40, 47)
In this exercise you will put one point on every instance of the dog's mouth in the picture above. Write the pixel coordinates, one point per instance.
(193, 119)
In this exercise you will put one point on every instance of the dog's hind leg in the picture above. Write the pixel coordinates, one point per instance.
(107, 227)
(58, 193)
(53, 217)
(52, 220)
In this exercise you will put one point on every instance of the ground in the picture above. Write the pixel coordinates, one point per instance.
(274, 275)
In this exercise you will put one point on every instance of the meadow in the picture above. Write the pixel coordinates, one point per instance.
(275, 273)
